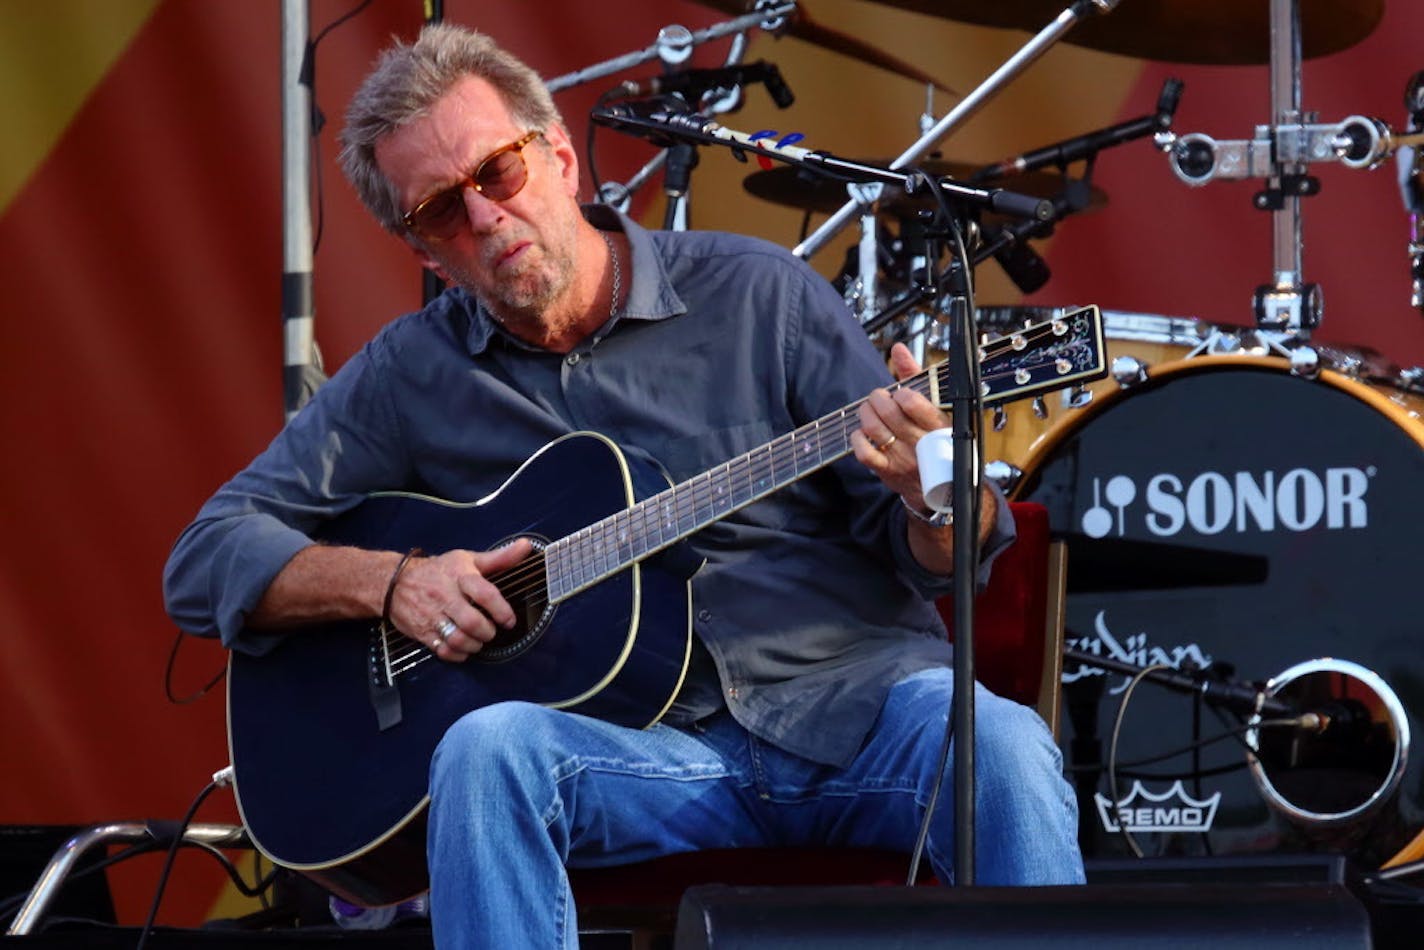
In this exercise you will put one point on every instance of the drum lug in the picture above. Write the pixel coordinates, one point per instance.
(1001, 418)
(1040, 409)
(1128, 371)
(1005, 474)
(1305, 362)
(1078, 397)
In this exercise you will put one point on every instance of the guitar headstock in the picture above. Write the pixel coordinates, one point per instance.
(1054, 354)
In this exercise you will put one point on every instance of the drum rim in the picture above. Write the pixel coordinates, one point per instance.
(1160, 374)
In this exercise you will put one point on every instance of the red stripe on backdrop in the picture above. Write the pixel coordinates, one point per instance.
(1161, 247)
(142, 363)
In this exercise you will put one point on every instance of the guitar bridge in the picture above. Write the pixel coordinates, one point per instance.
(381, 680)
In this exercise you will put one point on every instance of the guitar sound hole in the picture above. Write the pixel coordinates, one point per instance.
(527, 590)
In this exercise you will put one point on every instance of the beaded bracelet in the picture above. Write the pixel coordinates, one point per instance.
(391, 587)
(938, 519)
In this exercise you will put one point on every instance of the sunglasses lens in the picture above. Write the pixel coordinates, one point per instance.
(441, 216)
(501, 177)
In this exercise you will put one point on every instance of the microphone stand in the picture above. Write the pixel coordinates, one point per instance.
(966, 407)
(1241, 697)
(677, 179)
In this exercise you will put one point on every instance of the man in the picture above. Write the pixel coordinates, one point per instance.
(817, 693)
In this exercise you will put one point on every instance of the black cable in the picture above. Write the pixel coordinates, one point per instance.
(1211, 740)
(588, 152)
(1112, 751)
(917, 854)
(169, 859)
(13, 902)
(168, 676)
(318, 120)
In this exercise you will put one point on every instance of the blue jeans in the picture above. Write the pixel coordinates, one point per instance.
(518, 791)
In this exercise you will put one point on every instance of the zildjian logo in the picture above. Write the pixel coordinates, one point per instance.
(1142, 812)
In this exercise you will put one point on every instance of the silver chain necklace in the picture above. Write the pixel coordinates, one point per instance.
(617, 274)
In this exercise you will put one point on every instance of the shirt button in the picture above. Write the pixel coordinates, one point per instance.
(704, 615)
(732, 692)
(573, 359)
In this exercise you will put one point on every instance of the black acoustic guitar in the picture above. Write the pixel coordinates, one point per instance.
(331, 733)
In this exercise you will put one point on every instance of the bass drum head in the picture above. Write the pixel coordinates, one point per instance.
(1228, 512)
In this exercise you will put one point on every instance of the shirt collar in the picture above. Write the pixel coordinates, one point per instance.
(650, 292)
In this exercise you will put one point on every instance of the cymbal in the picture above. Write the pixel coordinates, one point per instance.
(1209, 32)
(801, 26)
(788, 185)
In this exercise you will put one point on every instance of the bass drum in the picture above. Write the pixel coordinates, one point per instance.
(1228, 512)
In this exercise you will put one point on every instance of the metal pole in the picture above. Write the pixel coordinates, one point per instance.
(1285, 109)
(299, 361)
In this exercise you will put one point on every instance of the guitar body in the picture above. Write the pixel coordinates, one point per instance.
(331, 773)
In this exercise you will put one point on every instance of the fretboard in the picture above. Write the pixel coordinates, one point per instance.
(604, 548)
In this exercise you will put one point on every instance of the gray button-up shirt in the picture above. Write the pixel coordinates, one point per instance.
(810, 605)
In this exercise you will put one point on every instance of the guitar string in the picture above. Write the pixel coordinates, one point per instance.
(760, 465)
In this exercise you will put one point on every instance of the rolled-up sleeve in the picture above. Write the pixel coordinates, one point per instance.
(342, 445)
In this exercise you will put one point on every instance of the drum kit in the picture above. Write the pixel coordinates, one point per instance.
(1210, 535)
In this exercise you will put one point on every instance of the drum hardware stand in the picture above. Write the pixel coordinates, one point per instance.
(865, 291)
(673, 46)
(1411, 184)
(1288, 309)
(970, 104)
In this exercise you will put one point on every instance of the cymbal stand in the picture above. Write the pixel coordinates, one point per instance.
(675, 43)
(673, 46)
(969, 105)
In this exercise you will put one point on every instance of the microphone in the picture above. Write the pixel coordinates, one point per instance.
(1083, 146)
(1245, 698)
(665, 121)
(1340, 718)
(1024, 266)
(694, 83)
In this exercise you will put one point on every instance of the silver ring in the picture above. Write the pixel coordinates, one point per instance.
(445, 628)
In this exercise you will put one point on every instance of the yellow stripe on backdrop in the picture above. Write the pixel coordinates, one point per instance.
(52, 55)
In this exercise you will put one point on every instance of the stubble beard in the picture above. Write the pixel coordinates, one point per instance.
(524, 299)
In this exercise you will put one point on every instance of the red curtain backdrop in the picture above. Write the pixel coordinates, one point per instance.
(141, 247)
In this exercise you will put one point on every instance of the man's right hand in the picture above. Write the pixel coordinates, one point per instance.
(449, 604)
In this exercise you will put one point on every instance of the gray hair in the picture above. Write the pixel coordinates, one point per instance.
(407, 80)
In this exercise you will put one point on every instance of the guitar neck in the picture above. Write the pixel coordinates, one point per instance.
(605, 547)
(1039, 358)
